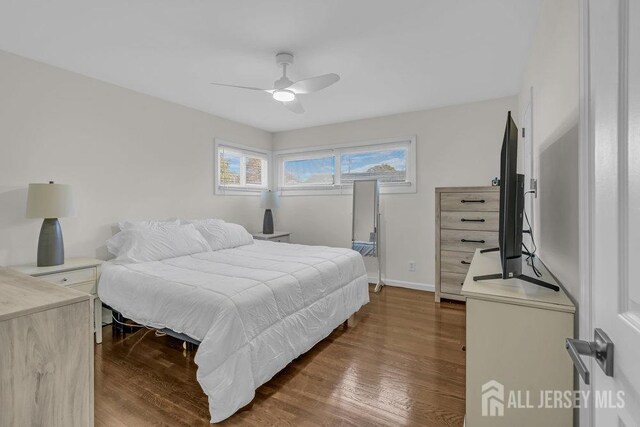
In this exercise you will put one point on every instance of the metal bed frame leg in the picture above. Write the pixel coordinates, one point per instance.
(117, 326)
(190, 347)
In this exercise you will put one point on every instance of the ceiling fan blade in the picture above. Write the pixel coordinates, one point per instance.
(243, 87)
(294, 106)
(314, 84)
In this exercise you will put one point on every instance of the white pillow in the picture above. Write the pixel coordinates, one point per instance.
(197, 222)
(235, 235)
(213, 231)
(223, 235)
(151, 223)
(153, 244)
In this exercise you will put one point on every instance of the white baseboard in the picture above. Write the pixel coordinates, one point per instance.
(428, 287)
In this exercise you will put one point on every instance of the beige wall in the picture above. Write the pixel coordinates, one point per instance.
(456, 146)
(553, 72)
(127, 155)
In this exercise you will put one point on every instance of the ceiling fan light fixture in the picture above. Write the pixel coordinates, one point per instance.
(284, 95)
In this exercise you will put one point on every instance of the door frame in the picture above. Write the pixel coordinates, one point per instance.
(586, 173)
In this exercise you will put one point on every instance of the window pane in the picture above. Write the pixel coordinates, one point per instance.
(387, 166)
(309, 171)
(254, 170)
(229, 168)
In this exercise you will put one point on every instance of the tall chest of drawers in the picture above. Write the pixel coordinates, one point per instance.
(466, 219)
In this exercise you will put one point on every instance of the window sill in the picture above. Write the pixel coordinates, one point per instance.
(240, 191)
(404, 188)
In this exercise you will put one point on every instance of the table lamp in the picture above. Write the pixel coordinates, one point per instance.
(268, 200)
(50, 201)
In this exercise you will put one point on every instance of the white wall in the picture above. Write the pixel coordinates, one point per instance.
(456, 146)
(127, 155)
(553, 72)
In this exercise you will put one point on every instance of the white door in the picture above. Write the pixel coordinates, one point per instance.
(613, 182)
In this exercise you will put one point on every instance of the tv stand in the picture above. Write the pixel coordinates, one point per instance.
(515, 336)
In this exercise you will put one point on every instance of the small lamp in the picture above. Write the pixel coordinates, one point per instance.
(268, 200)
(50, 201)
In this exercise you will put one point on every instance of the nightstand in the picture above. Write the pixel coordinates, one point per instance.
(277, 236)
(80, 274)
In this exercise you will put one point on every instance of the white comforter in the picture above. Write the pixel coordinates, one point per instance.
(254, 308)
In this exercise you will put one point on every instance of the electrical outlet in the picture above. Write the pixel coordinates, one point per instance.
(533, 186)
(412, 266)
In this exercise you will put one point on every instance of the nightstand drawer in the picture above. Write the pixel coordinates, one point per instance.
(88, 287)
(283, 239)
(71, 277)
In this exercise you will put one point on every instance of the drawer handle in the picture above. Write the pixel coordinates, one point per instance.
(471, 201)
(465, 262)
(471, 220)
(472, 241)
(64, 279)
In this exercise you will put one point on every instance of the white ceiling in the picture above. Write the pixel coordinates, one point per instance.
(392, 56)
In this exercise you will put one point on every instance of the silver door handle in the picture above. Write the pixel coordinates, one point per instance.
(601, 348)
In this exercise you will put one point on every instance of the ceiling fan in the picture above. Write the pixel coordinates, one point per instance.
(285, 91)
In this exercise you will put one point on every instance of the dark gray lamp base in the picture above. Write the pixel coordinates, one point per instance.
(50, 244)
(267, 224)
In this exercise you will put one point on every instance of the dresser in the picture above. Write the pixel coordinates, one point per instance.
(277, 236)
(466, 219)
(515, 346)
(46, 356)
(81, 274)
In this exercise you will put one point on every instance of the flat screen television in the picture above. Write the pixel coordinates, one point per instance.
(511, 203)
(511, 212)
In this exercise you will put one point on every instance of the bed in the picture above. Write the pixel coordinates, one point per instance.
(253, 308)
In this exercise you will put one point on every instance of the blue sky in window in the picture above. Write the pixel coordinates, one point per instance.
(304, 169)
(361, 162)
(234, 162)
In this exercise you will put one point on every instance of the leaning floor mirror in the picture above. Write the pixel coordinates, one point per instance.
(365, 236)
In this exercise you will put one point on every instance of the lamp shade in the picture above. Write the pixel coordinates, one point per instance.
(49, 201)
(269, 200)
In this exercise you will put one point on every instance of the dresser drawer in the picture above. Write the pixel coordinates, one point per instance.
(483, 202)
(467, 240)
(87, 288)
(71, 277)
(451, 283)
(477, 220)
(455, 262)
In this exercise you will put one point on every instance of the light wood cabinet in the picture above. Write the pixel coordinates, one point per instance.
(466, 219)
(46, 358)
(80, 274)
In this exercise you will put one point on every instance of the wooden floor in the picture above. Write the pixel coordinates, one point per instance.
(401, 364)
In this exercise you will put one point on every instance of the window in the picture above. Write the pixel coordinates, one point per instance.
(309, 171)
(240, 169)
(384, 165)
(333, 170)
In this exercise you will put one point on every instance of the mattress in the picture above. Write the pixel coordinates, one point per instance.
(254, 308)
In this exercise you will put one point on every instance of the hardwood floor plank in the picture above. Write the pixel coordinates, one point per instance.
(402, 364)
